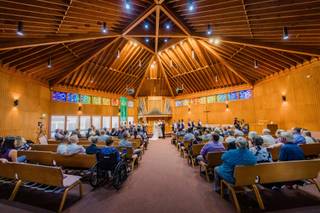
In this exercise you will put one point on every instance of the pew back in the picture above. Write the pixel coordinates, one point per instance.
(214, 158)
(41, 157)
(48, 175)
(196, 148)
(310, 150)
(7, 170)
(276, 172)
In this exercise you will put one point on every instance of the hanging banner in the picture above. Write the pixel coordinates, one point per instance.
(123, 109)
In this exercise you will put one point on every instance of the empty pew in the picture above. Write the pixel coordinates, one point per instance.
(266, 173)
(213, 159)
(45, 176)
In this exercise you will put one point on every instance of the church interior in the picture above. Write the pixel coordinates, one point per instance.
(160, 106)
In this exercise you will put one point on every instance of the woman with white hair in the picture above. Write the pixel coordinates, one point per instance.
(268, 140)
(290, 150)
(73, 147)
(231, 159)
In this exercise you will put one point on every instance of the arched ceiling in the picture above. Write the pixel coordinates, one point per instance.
(157, 60)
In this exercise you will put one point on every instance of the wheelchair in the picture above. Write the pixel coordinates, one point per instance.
(108, 169)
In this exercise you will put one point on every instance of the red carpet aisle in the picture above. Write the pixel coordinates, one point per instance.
(163, 183)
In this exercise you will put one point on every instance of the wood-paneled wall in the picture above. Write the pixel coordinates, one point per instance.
(33, 102)
(302, 108)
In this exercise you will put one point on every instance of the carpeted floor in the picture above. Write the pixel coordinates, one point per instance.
(163, 183)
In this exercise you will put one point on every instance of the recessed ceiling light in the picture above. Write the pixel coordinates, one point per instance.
(146, 25)
(285, 33)
(147, 40)
(308, 76)
(165, 40)
(20, 31)
(127, 4)
(168, 26)
(191, 6)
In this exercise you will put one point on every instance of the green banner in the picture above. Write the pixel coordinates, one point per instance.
(123, 109)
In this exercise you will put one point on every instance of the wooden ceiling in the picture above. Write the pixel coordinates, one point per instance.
(174, 51)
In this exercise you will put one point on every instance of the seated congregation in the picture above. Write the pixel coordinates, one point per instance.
(239, 161)
(69, 161)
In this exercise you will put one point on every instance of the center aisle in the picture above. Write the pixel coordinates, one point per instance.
(163, 183)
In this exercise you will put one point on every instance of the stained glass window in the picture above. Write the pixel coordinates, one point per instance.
(232, 96)
(211, 99)
(96, 100)
(245, 94)
(73, 97)
(115, 102)
(59, 96)
(221, 97)
(105, 101)
(85, 99)
(203, 100)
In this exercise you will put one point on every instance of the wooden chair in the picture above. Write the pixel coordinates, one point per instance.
(286, 171)
(213, 159)
(179, 139)
(195, 151)
(184, 148)
(46, 175)
(311, 150)
(8, 176)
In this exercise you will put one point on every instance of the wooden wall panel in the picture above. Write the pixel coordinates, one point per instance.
(300, 86)
(33, 102)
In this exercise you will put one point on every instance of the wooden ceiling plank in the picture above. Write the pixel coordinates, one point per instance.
(165, 75)
(144, 76)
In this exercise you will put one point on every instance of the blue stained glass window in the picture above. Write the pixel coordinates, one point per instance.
(232, 96)
(59, 96)
(245, 94)
(73, 97)
(221, 97)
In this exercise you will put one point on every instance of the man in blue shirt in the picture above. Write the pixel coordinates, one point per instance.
(290, 150)
(109, 149)
(231, 159)
(212, 146)
(298, 138)
(93, 149)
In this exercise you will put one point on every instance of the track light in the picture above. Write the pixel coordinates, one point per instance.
(49, 62)
(285, 33)
(104, 28)
(192, 54)
(209, 31)
(20, 31)
(191, 6)
(127, 4)
(168, 26)
(255, 63)
(146, 25)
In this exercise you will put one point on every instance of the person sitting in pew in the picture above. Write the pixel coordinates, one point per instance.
(9, 152)
(259, 151)
(125, 143)
(109, 149)
(309, 138)
(231, 143)
(59, 135)
(212, 146)
(268, 140)
(21, 144)
(62, 147)
(231, 159)
(93, 149)
(103, 137)
(290, 150)
(73, 147)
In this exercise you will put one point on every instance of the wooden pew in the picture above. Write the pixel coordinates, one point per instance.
(45, 175)
(53, 147)
(311, 150)
(132, 158)
(266, 173)
(213, 159)
(274, 151)
(8, 176)
(195, 151)
(79, 161)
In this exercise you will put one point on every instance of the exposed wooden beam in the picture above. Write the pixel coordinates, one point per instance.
(268, 45)
(35, 42)
(157, 28)
(138, 20)
(164, 74)
(67, 73)
(175, 20)
(64, 16)
(140, 43)
(144, 76)
(224, 62)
